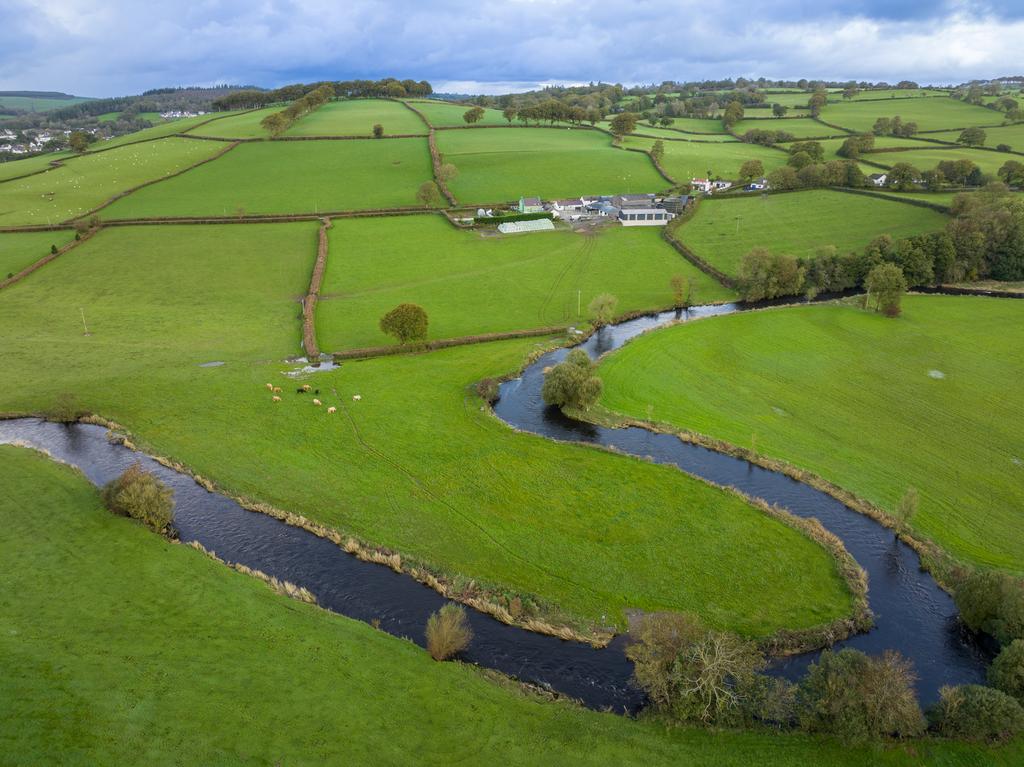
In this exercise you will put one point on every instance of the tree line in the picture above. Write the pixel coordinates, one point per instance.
(389, 87)
(278, 122)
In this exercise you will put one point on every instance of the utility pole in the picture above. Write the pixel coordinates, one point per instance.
(85, 327)
(738, 224)
(579, 294)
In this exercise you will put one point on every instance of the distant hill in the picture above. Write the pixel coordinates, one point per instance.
(40, 95)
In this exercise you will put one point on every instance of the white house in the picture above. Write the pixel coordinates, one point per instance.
(566, 208)
(878, 179)
(701, 185)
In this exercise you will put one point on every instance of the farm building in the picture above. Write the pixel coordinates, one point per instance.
(878, 179)
(647, 215)
(530, 205)
(537, 225)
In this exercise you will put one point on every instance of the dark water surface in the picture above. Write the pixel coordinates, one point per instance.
(913, 614)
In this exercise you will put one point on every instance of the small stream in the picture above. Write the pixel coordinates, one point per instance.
(913, 614)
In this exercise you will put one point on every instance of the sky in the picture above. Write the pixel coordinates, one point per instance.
(121, 47)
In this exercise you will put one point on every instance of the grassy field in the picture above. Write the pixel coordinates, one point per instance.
(686, 160)
(927, 159)
(831, 147)
(39, 104)
(1013, 135)
(930, 401)
(244, 125)
(644, 129)
(419, 468)
(471, 284)
(356, 118)
(928, 113)
(709, 129)
(18, 250)
(498, 165)
(15, 168)
(801, 128)
(797, 224)
(87, 181)
(443, 114)
(86, 676)
(290, 177)
(167, 128)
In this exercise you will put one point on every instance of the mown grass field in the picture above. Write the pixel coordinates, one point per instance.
(15, 168)
(290, 177)
(20, 249)
(168, 128)
(645, 129)
(928, 113)
(1012, 135)
(90, 180)
(243, 125)
(724, 230)
(931, 401)
(418, 467)
(472, 284)
(444, 115)
(357, 117)
(802, 128)
(497, 165)
(685, 160)
(260, 678)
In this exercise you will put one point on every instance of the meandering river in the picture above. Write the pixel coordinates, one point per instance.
(913, 615)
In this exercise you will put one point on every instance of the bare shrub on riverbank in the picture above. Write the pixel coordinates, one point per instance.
(140, 495)
(448, 632)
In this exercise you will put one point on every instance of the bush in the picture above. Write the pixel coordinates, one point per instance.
(572, 383)
(53, 249)
(603, 308)
(657, 640)
(65, 408)
(488, 390)
(975, 712)
(140, 495)
(378, 131)
(1007, 671)
(856, 697)
(406, 322)
(992, 602)
(448, 632)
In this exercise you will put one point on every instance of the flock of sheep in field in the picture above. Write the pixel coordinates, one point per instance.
(306, 389)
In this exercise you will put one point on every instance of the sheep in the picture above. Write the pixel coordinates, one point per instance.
(356, 397)
(332, 409)
(276, 390)
(307, 387)
(275, 398)
(317, 402)
(270, 387)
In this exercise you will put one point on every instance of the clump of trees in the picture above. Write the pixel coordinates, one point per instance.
(473, 115)
(251, 98)
(406, 322)
(894, 126)
(992, 602)
(886, 284)
(623, 123)
(572, 383)
(988, 233)
(1007, 671)
(732, 115)
(140, 495)
(855, 146)
(448, 632)
(766, 137)
(764, 275)
(972, 137)
(975, 712)
(277, 123)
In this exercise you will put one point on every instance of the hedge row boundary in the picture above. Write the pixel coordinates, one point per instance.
(446, 343)
(311, 298)
(46, 259)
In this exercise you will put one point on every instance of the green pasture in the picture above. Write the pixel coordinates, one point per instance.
(356, 117)
(290, 177)
(14, 168)
(644, 129)
(443, 114)
(471, 283)
(418, 467)
(85, 182)
(927, 159)
(95, 676)
(244, 125)
(724, 230)
(831, 147)
(497, 165)
(20, 249)
(1012, 135)
(686, 160)
(801, 128)
(709, 129)
(166, 128)
(894, 94)
(39, 104)
(931, 400)
(928, 113)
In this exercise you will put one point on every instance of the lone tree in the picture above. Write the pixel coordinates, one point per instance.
(603, 309)
(473, 115)
(658, 150)
(275, 124)
(972, 137)
(509, 113)
(378, 131)
(680, 291)
(406, 322)
(751, 169)
(887, 284)
(733, 114)
(428, 194)
(79, 141)
(447, 172)
(140, 495)
(623, 123)
(572, 383)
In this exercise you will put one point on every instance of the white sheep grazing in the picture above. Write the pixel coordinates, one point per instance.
(270, 387)
(275, 399)
(306, 387)
(356, 397)
(317, 402)
(276, 390)
(332, 409)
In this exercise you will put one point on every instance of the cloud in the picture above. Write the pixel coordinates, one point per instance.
(121, 46)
